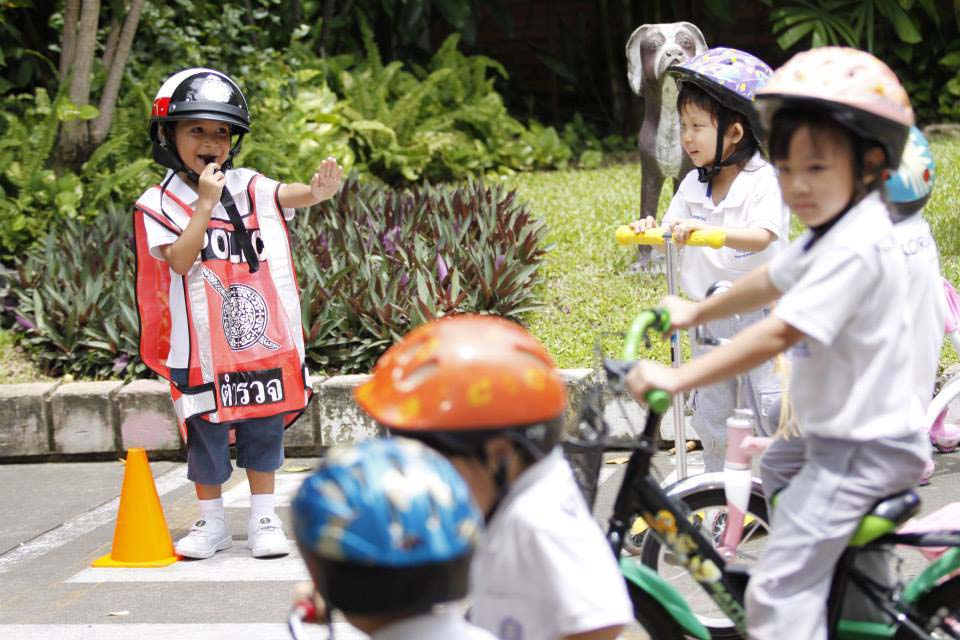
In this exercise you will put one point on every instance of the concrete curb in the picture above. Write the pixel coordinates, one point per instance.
(83, 420)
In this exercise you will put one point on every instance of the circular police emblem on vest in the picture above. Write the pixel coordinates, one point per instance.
(244, 317)
(243, 314)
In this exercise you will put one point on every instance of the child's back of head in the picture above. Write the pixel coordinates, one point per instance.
(387, 529)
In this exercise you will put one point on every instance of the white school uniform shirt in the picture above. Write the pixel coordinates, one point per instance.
(441, 625)
(543, 569)
(753, 202)
(158, 235)
(925, 299)
(848, 293)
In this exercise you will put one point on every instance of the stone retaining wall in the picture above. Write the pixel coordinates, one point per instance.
(63, 420)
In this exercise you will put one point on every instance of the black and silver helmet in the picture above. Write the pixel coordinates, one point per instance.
(196, 94)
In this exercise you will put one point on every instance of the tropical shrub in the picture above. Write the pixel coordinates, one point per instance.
(372, 264)
(72, 298)
(442, 122)
(376, 262)
(34, 197)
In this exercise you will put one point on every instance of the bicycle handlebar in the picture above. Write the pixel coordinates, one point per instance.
(713, 238)
(648, 320)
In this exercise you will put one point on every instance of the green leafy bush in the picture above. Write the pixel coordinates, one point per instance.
(442, 122)
(372, 264)
(73, 298)
(34, 197)
(375, 263)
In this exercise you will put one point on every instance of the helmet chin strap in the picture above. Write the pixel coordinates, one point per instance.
(706, 173)
(502, 486)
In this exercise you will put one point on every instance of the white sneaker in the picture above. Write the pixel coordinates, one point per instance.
(206, 537)
(265, 537)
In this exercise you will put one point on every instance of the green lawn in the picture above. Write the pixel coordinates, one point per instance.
(587, 288)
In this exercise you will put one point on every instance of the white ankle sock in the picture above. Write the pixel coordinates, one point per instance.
(262, 504)
(212, 508)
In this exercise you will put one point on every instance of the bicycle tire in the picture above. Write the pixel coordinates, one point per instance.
(943, 601)
(651, 554)
(652, 616)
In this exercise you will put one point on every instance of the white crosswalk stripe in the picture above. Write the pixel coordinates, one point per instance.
(232, 566)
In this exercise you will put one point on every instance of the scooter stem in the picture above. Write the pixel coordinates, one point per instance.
(676, 359)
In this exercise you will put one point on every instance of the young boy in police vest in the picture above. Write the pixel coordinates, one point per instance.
(218, 301)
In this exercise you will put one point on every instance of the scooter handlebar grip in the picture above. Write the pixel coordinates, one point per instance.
(713, 238)
(626, 236)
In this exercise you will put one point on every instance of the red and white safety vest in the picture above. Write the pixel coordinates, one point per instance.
(246, 354)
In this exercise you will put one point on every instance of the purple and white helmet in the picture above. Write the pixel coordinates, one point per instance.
(730, 76)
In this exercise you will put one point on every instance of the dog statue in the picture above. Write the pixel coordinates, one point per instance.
(650, 50)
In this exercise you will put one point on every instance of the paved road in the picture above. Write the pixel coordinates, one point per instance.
(60, 517)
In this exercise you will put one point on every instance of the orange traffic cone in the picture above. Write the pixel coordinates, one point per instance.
(141, 537)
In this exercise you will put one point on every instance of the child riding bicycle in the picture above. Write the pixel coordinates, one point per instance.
(486, 394)
(735, 189)
(908, 190)
(837, 118)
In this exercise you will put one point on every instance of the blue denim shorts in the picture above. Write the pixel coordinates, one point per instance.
(259, 446)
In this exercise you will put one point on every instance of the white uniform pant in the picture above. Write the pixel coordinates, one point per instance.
(838, 482)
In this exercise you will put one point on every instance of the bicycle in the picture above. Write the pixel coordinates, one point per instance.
(729, 507)
(926, 607)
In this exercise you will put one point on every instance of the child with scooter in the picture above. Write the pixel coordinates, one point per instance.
(734, 189)
(837, 118)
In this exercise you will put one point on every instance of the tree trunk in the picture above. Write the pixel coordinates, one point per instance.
(110, 48)
(100, 127)
(75, 135)
(68, 43)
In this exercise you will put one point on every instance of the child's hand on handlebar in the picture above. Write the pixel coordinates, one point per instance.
(682, 230)
(643, 224)
(648, 375)
(304, 592)
(683, 313)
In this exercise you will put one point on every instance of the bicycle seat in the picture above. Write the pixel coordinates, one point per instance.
(886, 516)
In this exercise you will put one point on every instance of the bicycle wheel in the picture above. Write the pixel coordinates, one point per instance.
(940, 611)
(707, 508)
(652, 616)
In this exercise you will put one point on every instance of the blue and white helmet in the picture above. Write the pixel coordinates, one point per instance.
(385, 503)
(909, 187)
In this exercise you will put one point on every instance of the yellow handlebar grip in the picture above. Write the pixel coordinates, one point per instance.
(626, 236)
(713, 238)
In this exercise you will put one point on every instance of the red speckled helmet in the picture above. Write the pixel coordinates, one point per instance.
(458, 381)
(858, 90)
